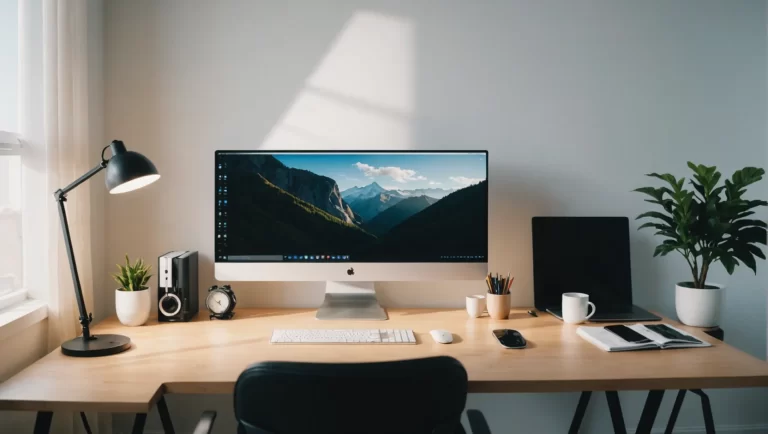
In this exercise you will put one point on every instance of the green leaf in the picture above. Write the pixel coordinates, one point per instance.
(695, 168)
(717, 191)
(757, 251)
(656, 215)
(664, 249)
(746, 257)
(667, 234)
(743, 223)
(714, 179)
(654, 225)
(752, 235)
(756, 203)
(656, 193)
(747, 176)
(667, 204)
(668, 178)
(700, 188)
(728, 262)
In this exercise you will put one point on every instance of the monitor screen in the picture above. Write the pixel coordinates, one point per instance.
(304, 206)
(582, 254)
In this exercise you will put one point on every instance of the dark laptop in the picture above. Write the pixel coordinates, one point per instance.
(589, 255)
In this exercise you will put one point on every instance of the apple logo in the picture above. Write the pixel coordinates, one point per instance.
(351, 272)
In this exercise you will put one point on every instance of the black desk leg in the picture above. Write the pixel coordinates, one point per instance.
(706, 408)
(651, 408)
(43, 422)
(85, 423)
(675, 411)
(138, 423)
(581, 408)
(165, 418)
(617, 417)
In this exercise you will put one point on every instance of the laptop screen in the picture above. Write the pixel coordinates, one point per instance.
(582, 254)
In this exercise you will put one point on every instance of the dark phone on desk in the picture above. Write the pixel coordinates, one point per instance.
(510, 338)
(627, 334)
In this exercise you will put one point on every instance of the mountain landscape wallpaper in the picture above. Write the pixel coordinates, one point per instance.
(372, 207)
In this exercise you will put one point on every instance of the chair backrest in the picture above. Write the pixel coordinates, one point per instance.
(408, 396)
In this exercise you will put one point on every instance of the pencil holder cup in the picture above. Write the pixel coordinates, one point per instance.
(498, 305)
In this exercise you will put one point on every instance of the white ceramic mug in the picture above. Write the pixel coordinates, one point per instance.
(575, 305)
(475, 305)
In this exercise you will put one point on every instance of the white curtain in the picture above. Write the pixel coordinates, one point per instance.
(65, 84)
(56, 60)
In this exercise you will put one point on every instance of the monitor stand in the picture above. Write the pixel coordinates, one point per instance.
(351, 300)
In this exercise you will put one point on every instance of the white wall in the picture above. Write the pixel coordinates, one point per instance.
(574, 100)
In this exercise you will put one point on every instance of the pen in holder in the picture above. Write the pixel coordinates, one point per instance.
(498, 298)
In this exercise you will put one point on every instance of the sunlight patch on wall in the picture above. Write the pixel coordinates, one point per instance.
(361, 95)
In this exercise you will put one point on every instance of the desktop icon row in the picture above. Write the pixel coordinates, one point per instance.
(316, 257)
(462, 257)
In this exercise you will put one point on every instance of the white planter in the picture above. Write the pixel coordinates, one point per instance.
(133, 307)
(699, 307)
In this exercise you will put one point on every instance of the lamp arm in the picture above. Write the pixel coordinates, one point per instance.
(88, 175)
(61, 197)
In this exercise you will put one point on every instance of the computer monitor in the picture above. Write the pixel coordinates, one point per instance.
(351, 218)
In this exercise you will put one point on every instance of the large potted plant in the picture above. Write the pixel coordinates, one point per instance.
(132, 299)
(706, 225)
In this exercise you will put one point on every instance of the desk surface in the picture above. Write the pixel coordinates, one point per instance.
(207, 356)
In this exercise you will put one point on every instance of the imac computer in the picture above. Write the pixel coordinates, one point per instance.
(351, 218)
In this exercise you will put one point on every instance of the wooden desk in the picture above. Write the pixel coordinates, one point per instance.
(207, 356)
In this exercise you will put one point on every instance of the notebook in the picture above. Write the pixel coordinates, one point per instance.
(662, 336)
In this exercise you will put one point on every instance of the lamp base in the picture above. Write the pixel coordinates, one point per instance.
(100, 345)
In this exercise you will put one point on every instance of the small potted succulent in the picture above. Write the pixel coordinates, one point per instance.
(706, 225)
(132, 299)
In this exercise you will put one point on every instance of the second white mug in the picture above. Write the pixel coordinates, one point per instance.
(475, 305)
(575, 307)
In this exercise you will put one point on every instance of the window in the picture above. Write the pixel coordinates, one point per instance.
(10, 215)
(11, 253)
(9, 66)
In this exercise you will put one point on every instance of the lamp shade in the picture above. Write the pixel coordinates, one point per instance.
(128, 170)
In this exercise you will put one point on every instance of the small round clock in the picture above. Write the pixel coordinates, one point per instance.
(221, 302)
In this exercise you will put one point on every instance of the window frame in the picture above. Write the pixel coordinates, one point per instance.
(10, 145)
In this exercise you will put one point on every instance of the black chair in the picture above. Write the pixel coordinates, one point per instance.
(409, 396)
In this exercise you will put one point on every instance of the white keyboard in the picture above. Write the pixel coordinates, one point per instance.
(343, 336)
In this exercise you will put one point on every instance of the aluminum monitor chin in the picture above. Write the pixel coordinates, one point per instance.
(351, 216)
(352, 272)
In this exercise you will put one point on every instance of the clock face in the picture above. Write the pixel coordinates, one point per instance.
(217, 302)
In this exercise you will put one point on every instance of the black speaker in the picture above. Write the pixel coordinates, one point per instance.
(177, 290)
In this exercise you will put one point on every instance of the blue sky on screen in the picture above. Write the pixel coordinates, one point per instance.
(404, 171)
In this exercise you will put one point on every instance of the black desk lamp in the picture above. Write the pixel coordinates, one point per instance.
(126, 171)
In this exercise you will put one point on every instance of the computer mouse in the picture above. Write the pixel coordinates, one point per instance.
(509, 338)
(442, 336)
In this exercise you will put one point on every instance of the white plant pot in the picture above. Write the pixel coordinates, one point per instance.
(133, 307)
(699, 307)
